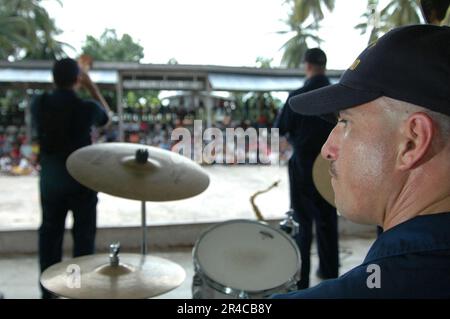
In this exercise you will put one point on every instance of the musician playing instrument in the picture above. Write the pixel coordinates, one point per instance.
(307, 134)
(62, 123)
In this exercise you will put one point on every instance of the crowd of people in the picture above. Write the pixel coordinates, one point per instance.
(17, 156)
(20, 157)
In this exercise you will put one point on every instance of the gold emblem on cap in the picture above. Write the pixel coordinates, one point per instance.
(355, 64)
(371, 45)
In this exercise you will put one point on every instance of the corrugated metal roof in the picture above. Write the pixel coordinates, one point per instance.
(221, 78)
(45, 76)
(240, 82)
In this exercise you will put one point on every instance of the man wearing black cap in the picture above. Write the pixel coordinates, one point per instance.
(307, 134)
(63, 124)
(389, 159)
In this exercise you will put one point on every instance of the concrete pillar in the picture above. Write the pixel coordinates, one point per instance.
(28, 117)
(119, 93)
(209, 105)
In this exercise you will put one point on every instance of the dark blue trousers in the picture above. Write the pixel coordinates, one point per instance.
(57, 198)
(309, 207)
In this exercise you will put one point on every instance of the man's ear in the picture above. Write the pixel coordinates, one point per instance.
(415, 141)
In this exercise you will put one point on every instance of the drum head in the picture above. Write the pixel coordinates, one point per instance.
(247, 255)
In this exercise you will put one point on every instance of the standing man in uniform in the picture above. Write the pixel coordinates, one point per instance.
(62, 123)
(307, 134)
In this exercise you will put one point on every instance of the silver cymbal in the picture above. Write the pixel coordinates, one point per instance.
(112, 168)
(322, 179)
(136, 277)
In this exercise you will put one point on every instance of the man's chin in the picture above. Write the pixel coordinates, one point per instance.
(355, 218)
(342, 213)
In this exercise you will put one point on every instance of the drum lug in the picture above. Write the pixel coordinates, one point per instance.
(197, 283)
(289, 225)
(243, 295)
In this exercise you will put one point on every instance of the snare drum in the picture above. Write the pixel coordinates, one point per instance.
(244, 259)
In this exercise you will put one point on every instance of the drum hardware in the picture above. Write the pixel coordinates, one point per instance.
(123, 277)
(243, 295)
(132, 171)
(247, 264)
(114, 250)
(118, 169)
(289, 225)
(138, 172)
(144, 228)
(141, 158)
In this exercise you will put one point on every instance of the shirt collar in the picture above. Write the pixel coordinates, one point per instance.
(317, 77)
(420, 234)
(65, 91)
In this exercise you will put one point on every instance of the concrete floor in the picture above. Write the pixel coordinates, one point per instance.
(19, 273)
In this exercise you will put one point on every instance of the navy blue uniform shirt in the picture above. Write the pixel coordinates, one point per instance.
(87, 113)
(306, 134)
(411, 259)
(84, 115)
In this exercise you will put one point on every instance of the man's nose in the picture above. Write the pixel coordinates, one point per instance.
(329, 149)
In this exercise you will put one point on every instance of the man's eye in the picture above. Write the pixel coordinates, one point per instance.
(342, 121)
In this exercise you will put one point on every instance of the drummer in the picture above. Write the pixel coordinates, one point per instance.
(62, 123)
(389, 156)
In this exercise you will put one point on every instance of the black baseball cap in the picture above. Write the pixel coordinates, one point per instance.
(315, 56)
(410, 64)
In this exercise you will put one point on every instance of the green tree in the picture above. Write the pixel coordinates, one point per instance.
(27, 31)
(110, 48)
(12, 34)
(305, 8)
(300, 14)
(371, 21)
(295, 47)
(396, 13)
(172, 61)
(263, 63)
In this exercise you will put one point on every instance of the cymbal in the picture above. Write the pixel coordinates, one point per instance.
(115, 169)
(136, 277)
(322, 179)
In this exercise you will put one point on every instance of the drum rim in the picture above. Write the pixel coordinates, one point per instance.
(234, 291)
(248, 293)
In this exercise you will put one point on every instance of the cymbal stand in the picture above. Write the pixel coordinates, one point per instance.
(144, 229)
(141, 157)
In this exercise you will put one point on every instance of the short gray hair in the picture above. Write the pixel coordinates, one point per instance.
(441, 120)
